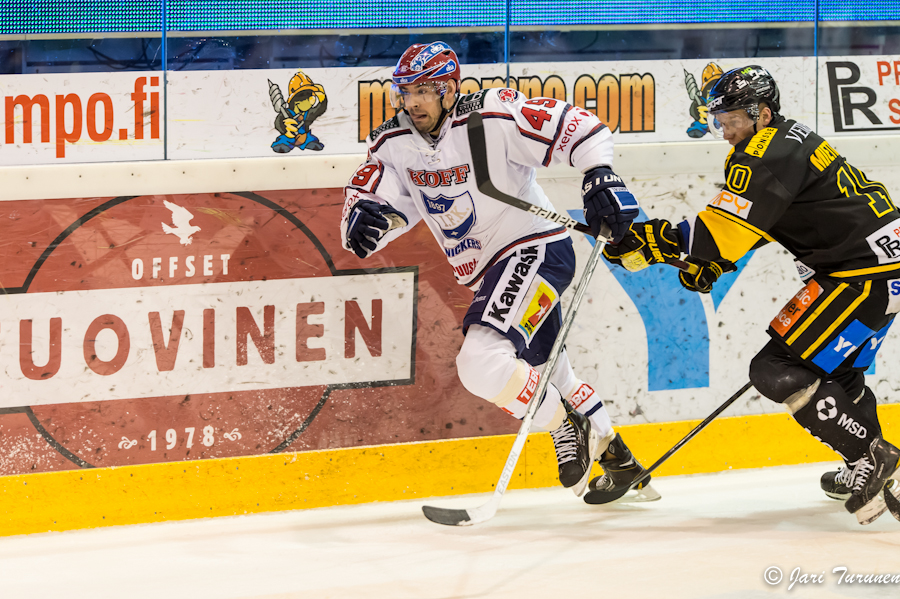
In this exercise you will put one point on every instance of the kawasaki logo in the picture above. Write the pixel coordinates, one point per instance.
(502, 302)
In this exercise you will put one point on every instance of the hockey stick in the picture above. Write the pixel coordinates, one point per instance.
(691, 435)
(482, 513)
(475, 131)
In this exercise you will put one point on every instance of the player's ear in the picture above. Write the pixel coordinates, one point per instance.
(765, 115)
(450, 95)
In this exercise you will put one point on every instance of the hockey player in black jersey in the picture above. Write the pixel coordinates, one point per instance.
(786, 184)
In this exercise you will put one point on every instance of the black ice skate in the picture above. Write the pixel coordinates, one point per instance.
(619, 472)
(573, 442)
(835, 483)
(869, 477)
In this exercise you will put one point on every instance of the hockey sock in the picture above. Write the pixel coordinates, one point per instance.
(832, 418)
(869, 406)
(551, 413)
(585, 400)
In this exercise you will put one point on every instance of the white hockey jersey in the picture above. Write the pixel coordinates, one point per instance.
(433, 180)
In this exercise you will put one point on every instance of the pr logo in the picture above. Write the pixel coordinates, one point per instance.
(826, 408)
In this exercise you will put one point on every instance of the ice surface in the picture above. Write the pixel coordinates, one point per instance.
(709, 536)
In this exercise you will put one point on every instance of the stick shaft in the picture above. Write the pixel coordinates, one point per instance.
(552, 359)
(692, 434)
(475, 131)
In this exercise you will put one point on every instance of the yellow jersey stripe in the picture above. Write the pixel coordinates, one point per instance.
(741, 222)
(865, 271)
(841, 319)
(732, 241)
(818, 311)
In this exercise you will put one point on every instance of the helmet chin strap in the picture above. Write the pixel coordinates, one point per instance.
(440, 121)
(444, 113)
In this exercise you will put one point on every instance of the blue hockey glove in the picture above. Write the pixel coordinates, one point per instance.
(368, 223)
(606, 199)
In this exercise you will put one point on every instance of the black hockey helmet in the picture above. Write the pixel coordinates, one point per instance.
(744, 88)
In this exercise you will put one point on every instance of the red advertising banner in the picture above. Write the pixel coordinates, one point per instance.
(145, 329)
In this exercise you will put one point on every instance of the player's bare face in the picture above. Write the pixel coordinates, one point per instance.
(736, 125)
(423, 105)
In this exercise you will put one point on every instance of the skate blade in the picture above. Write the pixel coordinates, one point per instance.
(642, 495)
(879, 505)
(593, 449)
(871, 511)
(838, 496)
(892, 498)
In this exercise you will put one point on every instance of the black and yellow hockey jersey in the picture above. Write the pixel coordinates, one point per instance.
(787, 184)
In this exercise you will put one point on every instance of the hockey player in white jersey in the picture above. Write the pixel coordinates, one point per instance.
(419, 168)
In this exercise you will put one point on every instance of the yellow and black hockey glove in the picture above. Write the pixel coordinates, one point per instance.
(709, 273)
(649, 242)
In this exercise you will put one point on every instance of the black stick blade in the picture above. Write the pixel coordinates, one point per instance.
(601, 497)
(447, 517)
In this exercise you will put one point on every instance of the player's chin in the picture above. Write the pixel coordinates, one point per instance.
(423, 125)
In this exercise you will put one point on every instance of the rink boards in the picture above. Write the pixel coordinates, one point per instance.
(254, 365)
(256, 484)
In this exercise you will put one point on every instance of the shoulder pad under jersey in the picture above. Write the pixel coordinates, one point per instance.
(471, 102)
(391, 123)
(759, 143)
